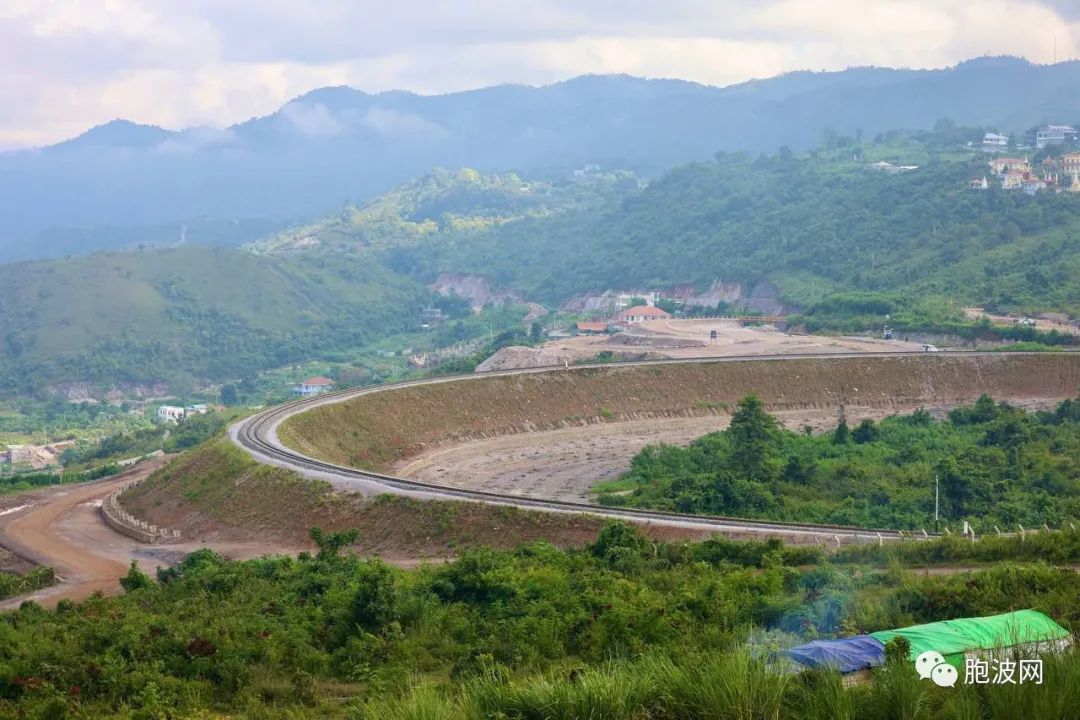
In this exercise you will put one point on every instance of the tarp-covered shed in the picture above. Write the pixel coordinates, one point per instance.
(953, 638)
(846, 655)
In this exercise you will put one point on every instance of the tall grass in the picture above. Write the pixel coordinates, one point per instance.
(733, 686)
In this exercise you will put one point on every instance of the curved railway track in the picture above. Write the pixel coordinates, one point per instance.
(258, 435)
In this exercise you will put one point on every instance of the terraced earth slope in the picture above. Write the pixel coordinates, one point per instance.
(375, 430)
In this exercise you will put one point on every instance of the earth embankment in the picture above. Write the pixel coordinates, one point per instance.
(376, 430)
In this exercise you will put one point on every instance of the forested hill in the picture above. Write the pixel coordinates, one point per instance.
(837, 239)
(186, 315)
(339, 144)
(824, 228)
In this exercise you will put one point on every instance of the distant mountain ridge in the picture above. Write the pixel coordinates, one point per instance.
(339, 144)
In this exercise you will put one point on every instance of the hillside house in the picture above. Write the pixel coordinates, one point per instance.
(979, 183)
(1002, 165)
(170, 414)
(1013, 180)
(994, 141)
(640, 314)
(313, 386)
(1070, 164)
(1033, 185)
(1046, 135)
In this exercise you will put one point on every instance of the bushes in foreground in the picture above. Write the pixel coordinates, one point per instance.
(625, 628)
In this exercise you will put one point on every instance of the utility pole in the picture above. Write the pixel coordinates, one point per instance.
(937, 499)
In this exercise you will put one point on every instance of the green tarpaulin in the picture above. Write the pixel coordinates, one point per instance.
(952, 638)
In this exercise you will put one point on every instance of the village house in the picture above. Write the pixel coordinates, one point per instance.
(1046, 135)
(640, 314)
(1033, 185)
(1070, 164)
(979, 183)
(1002, 165)
(313, 386)
(591, 328)
(1013, 180)
(995, 141)
(170, 414)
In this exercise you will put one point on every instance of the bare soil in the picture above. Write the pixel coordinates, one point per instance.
(1044, 322)
(565, 464)
(62, 528)
(687, 339)
(252, 509)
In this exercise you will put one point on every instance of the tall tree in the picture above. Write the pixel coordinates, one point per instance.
(753, 434)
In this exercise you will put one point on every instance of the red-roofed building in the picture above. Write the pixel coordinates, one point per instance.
(591, 328)
(639, 314)
(313, 386)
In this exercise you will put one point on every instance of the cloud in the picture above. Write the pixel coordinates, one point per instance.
(68, 64)
(391, 122)
(314, 119)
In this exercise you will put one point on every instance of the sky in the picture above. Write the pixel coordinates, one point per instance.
(67, 65)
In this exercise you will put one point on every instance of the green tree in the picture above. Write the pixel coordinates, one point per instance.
(842, 435)
(135, 579)
(229, 395)
(753, 435)
(330, 544)
(865, 432)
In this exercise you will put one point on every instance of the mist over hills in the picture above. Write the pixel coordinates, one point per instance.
(340, 144)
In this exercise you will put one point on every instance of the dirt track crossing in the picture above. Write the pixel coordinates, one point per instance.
(61, 529)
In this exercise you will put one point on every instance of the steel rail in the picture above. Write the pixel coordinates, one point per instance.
(257, 434)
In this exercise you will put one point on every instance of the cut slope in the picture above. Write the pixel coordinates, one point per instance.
(218, 494)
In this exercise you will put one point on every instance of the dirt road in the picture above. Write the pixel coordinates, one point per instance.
(1045, 322)
(60, 527)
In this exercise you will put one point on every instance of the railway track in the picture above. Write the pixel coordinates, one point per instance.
(258, 435)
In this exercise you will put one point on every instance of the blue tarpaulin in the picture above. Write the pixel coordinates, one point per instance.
(846, 654)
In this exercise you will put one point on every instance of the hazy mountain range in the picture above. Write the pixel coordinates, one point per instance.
(228, 186)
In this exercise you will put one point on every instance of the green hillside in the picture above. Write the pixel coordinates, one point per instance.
(187, 314)
(841, 243)
(836, 238)
(449, 204)
(814, 226)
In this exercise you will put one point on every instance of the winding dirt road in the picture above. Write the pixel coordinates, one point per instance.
(60, 527)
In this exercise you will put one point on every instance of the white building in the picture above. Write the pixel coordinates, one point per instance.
(313, 386)
(640, 314)
(993, 140)
(170, 414)
(888, 167)
(1054, 135)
